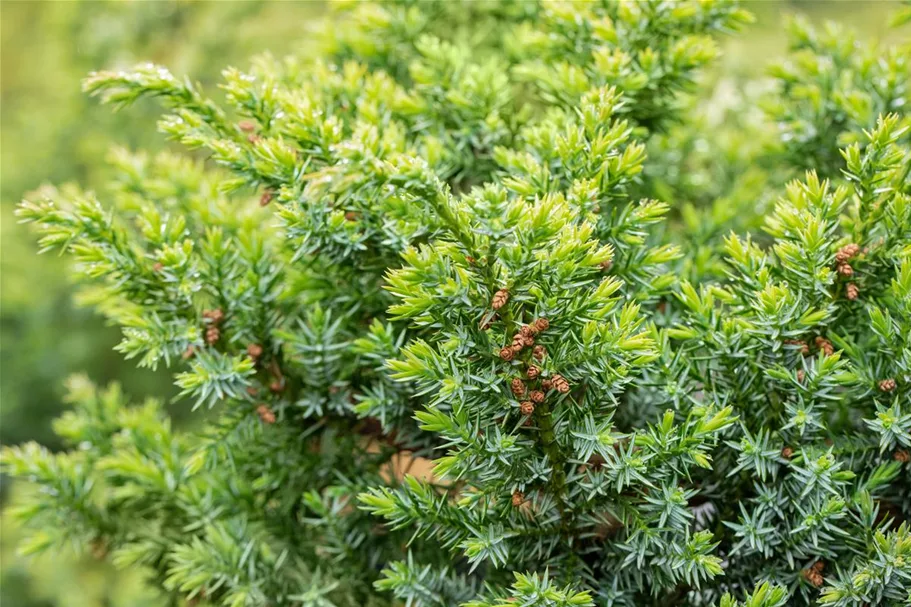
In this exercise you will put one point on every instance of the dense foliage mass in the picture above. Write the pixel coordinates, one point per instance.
(681, 381)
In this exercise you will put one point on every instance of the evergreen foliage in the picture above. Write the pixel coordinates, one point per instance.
(438, 239)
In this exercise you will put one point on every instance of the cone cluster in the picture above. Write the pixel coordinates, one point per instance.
(524, 338)
(825, 345)
(214, 319)
(887, 385)
(843, 256)
(499, 299)
(851, 291)
(265, 414)
(814, 574)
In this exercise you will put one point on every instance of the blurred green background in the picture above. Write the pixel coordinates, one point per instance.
(50, 132)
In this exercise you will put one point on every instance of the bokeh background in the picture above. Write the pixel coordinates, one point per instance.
(51, 132)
